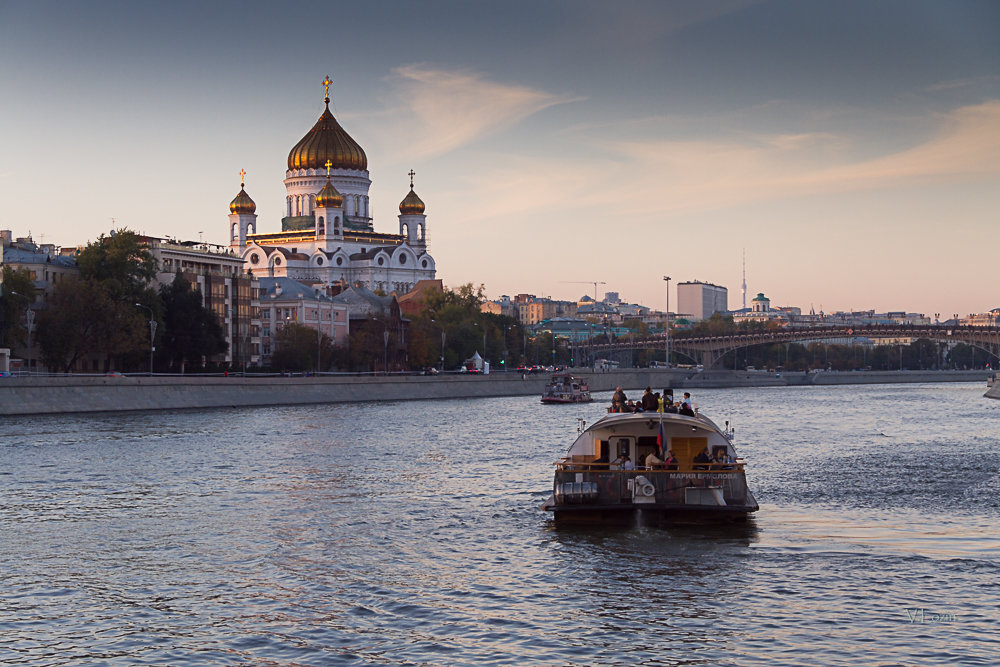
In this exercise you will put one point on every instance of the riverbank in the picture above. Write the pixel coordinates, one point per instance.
(74, 394)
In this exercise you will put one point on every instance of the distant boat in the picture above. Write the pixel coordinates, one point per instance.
(565, 388)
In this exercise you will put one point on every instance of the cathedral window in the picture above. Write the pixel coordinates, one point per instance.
(380, 261)
(402, 259)
(423, 264)
(254, 258)
(340, 261)
(319, 261)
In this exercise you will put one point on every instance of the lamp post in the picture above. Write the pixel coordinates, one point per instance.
(319, 332)
(385, 338)
(152, 332)
(666, 327)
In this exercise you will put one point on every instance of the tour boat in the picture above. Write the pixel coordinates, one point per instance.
(566, 389)
(593, 483)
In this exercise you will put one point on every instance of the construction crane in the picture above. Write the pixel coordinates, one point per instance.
(595, 283)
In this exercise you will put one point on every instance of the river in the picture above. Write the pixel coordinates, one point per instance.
(409, 533)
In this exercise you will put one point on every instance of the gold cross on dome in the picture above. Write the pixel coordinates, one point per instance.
(328, 164)
(243, 173)
(326, 85)
(412, 174)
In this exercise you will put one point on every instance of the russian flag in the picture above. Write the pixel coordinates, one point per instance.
(660, 439)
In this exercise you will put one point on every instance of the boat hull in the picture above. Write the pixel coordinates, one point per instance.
(575, 399)
(647, 515)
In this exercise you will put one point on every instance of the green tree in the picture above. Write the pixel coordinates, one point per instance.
(115, 275)
(120, 263)
(79, 320)
(17, 291)
(191, 332)
(296, 347)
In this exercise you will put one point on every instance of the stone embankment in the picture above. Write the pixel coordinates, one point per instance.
(54, 395)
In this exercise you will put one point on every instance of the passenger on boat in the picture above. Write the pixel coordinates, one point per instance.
(670, 463)
(619, 396)
(653, 461)
(687, 400)
(704, 458)
(668, 401)
(685, 407)
(627, 463)
(649, 401)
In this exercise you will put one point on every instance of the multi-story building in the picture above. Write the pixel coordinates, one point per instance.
(284, 301)
(45, 263)
(225, 288)
(699, 301)
(988, 319)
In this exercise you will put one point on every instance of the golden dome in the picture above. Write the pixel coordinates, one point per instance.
(242, 203)
(328, 197)
(327, 140)
(411, 204)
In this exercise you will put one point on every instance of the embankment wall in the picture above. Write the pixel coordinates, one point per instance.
(53, 395)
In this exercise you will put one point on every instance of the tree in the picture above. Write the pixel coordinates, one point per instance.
(13, 306)
(295, 349)
(120, 263)
(115, 273)
(191, 332)
(80, 319)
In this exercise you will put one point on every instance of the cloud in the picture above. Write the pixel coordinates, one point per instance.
(702, 175)
(644, 179)
(442, 110)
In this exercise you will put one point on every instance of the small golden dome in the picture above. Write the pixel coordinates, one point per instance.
(328, 197)
(411, 204)
(327, 140)
(242, 203)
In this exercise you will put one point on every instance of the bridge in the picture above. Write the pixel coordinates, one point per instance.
(710, 349)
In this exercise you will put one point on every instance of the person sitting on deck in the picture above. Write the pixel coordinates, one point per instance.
(685, 409)
(670, 463)
(704, 458)
(627, 463)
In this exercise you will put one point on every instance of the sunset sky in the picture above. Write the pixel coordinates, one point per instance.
(852, 149)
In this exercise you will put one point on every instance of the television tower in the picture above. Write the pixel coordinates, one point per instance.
(744, 288)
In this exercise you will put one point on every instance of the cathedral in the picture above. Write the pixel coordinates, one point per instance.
(327, 237)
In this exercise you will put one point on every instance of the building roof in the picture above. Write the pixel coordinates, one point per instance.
(15, 255)
(364, 303)
(286, 289)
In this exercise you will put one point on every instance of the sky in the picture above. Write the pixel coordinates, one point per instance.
(850, 150)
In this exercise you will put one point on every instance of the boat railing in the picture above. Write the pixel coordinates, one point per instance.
(577, 466)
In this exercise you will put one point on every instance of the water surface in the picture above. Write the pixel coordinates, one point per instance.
(410, 533)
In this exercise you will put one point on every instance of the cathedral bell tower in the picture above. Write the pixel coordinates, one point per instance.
(412, 221)
(242, 218)
(329, 213)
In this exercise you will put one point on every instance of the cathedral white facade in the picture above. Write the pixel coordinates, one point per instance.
(327, 237)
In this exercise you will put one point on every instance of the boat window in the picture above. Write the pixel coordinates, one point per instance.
(685, 449)
(623, 447)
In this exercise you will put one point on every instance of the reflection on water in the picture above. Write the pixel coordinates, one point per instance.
(410, 533)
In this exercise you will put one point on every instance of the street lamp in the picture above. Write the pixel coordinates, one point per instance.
(319, 332)
(666, 279)
(152, 332)
(385, 337)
